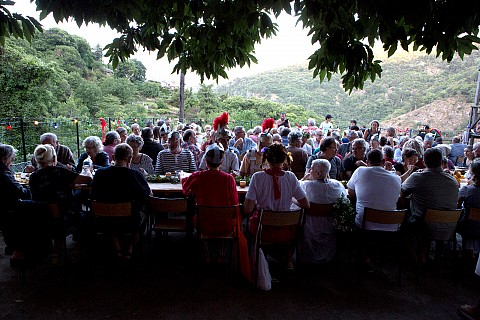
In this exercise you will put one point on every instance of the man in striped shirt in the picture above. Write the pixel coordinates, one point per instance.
(175, 158)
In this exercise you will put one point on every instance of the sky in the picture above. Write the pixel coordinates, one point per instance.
(290, 46)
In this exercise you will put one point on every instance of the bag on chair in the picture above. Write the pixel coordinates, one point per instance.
(264, 279)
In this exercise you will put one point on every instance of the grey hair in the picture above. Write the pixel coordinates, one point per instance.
(352, 133)
(429, 137)
(360, 141)
(320, 168)
(294, 136)
(137, 140)
(93, 141)
(47, 136)
(238, 128)
(311, 122)
(257, 130)
(44, 155)
(135, 125)
(7, 152)
(476, 145)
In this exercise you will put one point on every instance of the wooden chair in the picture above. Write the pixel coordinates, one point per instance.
(171, 215)
(114, 220)
(326, 242)
(218, 223)
(277, 228)
(440, 226)
(470, 229)
(391, 220)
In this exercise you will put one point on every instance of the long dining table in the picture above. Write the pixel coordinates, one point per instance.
(168, 189)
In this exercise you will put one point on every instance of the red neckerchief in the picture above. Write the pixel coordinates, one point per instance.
(275, 173)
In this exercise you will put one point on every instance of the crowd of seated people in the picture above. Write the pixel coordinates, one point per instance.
(283, 162)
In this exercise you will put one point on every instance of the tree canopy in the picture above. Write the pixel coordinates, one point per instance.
(209, 37)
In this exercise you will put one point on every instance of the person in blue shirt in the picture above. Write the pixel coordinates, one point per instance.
(240, 143)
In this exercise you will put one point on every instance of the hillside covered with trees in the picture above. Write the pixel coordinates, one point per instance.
(409, 81)
(59, 75)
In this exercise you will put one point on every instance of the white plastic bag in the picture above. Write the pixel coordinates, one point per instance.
(264, 280)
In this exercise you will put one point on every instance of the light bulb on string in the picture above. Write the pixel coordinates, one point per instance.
(55, 125)
(8, 127)
(36, 122)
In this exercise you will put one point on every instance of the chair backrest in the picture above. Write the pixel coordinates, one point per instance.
(122, 209)
(446, 216)
(320, 210)
(441, 224)
(215, 221)
(54, 210)
(393, 217)
(474, 214)
(280, 218)
(170, 205)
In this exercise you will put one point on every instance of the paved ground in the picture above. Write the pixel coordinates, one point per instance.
(162, 286)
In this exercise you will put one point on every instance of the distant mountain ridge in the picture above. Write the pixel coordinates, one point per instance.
(409, 82)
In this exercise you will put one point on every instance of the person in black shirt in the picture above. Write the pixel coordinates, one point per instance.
(119, 183)
(150, 147)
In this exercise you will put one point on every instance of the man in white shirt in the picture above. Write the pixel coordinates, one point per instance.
(374, 187)
(327, 125)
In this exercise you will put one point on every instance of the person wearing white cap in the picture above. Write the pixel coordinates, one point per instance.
(212, 187)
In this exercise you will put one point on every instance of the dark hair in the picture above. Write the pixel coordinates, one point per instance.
(156, 132)
(433, 158)
(475, 170)
(147, 133)
(388, 152)
(353, 121)
(187, 134)
(122, 152)
(110, 137)
(285, 131)
(383, 141)
(276, 153)
(375, 156)
(354, 128)
(326, 143)
(408, 153)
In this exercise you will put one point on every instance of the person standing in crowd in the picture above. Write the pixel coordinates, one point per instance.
(123, 134)
(374, 129)
(150, 147)
(299, 156)
(175, 157)
(64, 154)
(283, 121)
(135, 129)
(327, 125)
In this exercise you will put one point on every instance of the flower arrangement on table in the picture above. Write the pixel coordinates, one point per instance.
(246, 178)
(344, 216)
(163, 178)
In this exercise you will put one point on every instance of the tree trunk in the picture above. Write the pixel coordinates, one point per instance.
(182, 98)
